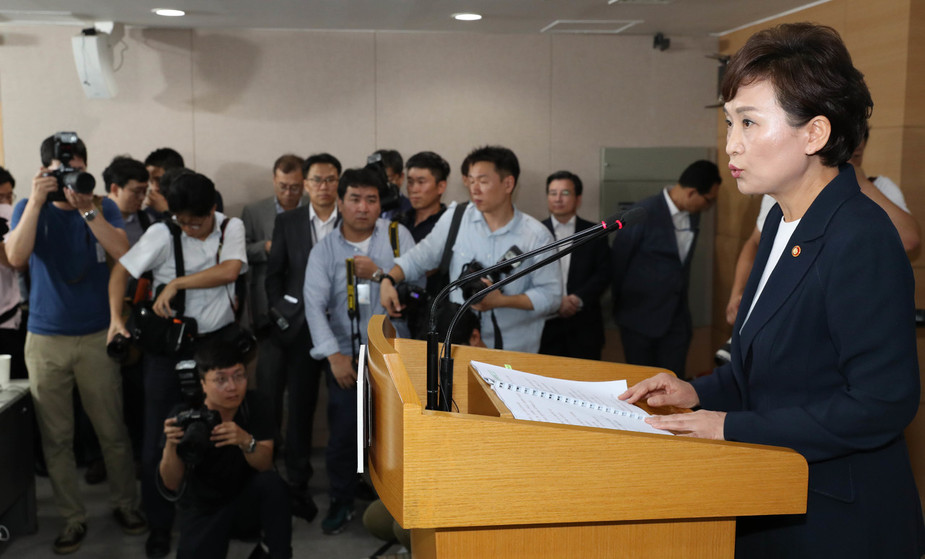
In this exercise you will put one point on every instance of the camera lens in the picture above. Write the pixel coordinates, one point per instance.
(79, 182)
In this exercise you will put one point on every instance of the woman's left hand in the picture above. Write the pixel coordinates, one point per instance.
(702, 424)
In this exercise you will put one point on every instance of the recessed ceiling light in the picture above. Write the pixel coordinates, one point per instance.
(169, 12)
(467, 17)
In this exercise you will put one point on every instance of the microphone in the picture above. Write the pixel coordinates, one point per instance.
(442, 381)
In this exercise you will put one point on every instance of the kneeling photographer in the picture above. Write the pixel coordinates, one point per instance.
(217, 460)
(195, 260)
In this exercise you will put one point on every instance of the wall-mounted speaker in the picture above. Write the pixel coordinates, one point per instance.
(93, 58)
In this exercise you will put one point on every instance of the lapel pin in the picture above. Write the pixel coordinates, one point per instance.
(795, 251)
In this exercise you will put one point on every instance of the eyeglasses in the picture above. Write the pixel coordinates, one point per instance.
(222, 380)
(139, 192)
(291, 188)
(557, 193)
(194, 225)
(318, 181)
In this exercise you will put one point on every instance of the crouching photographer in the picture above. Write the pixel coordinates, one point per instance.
(217, 460)
(194, 259)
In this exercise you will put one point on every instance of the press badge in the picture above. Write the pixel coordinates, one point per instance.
(363, 294)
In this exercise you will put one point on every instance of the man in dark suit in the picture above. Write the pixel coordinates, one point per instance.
(259, 218)
(651, 271)
(284, 358)
(578, 327)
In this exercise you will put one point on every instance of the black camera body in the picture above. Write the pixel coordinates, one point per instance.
(416, 303)
(473, 286)
(197, 421)
(391, 198)
(69, 177)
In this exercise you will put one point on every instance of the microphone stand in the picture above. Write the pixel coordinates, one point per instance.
(441, 379)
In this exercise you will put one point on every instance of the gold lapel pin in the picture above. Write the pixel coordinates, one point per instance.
(795, 251)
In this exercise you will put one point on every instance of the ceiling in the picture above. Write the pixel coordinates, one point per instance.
(630, 17)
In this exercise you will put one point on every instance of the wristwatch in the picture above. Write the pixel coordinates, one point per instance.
(251, 446)
(89, 215)
(377, 275)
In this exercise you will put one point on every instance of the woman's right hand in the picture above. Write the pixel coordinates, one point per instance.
(662, 390)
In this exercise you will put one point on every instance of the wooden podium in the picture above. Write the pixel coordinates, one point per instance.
(480, 484)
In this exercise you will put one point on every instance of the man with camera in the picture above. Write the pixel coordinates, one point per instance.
(489, 228)
(217, 460)
(65, 234)
(339, 301)
(285, 364)
(212, 255)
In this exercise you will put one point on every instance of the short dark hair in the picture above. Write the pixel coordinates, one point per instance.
(392, 160)
(700, 175)
(165, 158)
(320, 158)
(360, 177)
(170, 176)
(504, 160)
(468, 322)
(193, 193)
(429, 160)
(812, 75)
(6, 177)
(123, 169)
(288, 163)
(464, 168)
(47, 150)
(565, 176)
(217, 354)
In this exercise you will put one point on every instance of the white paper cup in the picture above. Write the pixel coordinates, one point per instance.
(4, 371)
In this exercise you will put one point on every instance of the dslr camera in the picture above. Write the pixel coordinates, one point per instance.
(197, 421)
(391, 198)
(417, 304)
(69, 177)
(472, 287)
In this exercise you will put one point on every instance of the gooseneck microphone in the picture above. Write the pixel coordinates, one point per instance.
(440, 378)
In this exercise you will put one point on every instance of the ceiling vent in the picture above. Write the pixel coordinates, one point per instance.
(590, 26)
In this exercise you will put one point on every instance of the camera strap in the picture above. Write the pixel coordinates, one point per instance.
(179, 301)
(451, 238)
(393, 239)
(499, 342)
(353, 310)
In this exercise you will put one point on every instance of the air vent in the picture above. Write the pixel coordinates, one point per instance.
(592, 26)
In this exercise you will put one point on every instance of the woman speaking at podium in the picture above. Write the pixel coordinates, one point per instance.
(823, 347)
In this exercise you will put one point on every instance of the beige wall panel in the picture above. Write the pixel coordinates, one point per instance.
(42, 95)
(620, 92)
(450, 93)
(915, 84)
(877, 35)
(259, 94)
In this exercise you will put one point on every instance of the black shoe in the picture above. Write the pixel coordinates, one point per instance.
(158, 544)
(260, 552)
(339, 515)
(365, 491)
(96, 472)
(69, 540)
(303, 505)
(131, 521)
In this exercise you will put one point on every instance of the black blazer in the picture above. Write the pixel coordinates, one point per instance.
(292, 243)
(826, 365)
(649, 280)
(588, 276)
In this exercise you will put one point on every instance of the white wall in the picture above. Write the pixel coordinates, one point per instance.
(231, 101)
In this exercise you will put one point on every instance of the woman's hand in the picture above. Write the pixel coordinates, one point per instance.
(662, 390)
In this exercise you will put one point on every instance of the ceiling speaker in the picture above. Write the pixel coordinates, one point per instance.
(93, 58)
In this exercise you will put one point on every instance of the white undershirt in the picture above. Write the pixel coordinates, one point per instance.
(781, 240)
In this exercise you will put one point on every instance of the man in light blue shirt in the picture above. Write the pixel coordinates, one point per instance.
(490, 227)
(363, 238)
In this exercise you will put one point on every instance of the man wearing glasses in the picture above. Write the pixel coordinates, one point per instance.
(233, 489)
(284, 359)
(213, 257)
(651, 271)
(126, 181)
(259, 218)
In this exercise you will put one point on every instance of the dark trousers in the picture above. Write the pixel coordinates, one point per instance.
(668, 351)
(162, 393)
(576, 337)
(278, 367)
(263, 503)
(341, 454)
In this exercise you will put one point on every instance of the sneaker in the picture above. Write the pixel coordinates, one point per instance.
(339, 515)
(96, 472)
(131, 521)
(70, 538)
(303, 505)
(158, 543)
(260, 552)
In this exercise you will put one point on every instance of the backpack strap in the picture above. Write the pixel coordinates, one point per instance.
(179, 303)
(451, 238)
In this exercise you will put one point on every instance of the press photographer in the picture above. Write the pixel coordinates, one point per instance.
(217, 460)
(195, 259)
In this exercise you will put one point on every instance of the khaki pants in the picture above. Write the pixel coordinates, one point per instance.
(56, 364)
